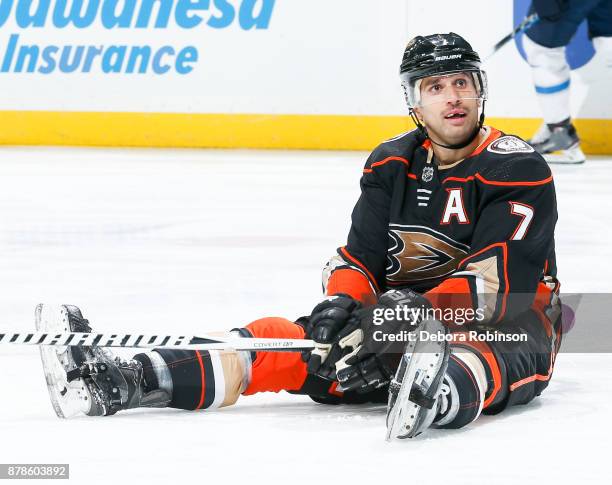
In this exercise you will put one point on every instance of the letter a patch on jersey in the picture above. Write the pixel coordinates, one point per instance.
(455, 208)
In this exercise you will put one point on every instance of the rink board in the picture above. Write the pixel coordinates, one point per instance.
(251, 74)
(311, 132)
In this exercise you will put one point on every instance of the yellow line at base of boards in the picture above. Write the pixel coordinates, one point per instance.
(311, 132)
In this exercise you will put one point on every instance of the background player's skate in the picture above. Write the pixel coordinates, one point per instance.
(559, 144)
(546, 47)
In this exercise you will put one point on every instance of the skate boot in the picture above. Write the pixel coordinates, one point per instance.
(558, 143)
(415, 391)
(90, 380)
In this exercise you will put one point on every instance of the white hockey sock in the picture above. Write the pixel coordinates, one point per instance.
(603, 48)
(551, 77)
(164, 379)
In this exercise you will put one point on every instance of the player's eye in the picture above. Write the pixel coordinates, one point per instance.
(461, 83)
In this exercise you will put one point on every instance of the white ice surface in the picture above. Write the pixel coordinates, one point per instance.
(188, 241)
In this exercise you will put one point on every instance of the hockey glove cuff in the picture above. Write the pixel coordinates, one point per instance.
(374, 347)
(323, 326)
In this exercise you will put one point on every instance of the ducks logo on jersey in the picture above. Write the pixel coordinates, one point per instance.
(417, 253)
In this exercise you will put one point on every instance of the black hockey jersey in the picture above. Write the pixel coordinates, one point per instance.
(481, 227)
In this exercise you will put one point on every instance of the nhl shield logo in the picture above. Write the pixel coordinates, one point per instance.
(427, 174)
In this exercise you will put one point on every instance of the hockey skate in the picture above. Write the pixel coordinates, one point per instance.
(89, 380)
(560, 145)
(416, 393)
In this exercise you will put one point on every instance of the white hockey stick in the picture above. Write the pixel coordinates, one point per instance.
(141, 341)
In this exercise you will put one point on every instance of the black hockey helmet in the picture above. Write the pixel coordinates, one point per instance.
(439, 55)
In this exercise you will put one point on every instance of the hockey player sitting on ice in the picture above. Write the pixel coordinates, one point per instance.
(454, 216)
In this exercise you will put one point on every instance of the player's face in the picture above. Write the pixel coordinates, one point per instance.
(448, 106)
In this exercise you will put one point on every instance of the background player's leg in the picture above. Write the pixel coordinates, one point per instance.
(600, 31)
(545, 46)
(551, 77)
(603, 46)
(600, 20)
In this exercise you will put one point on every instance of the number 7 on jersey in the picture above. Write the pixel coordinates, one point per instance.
(526, 213)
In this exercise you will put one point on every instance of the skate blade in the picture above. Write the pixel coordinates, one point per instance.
(571, 156)
(425, 364)
(68, 399)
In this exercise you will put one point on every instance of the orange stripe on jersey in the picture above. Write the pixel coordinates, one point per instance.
(458, 179)
(494, 135)
(471, 256)
(501, 184)
(514, 184)
(353, 283)
(358, 263)
(203, 391)
(386, 160)
(535, 377)
(411, 176)
(390, 159)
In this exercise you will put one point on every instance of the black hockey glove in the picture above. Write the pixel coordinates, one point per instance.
(378, 339)
(323, 326)
(550, 10)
